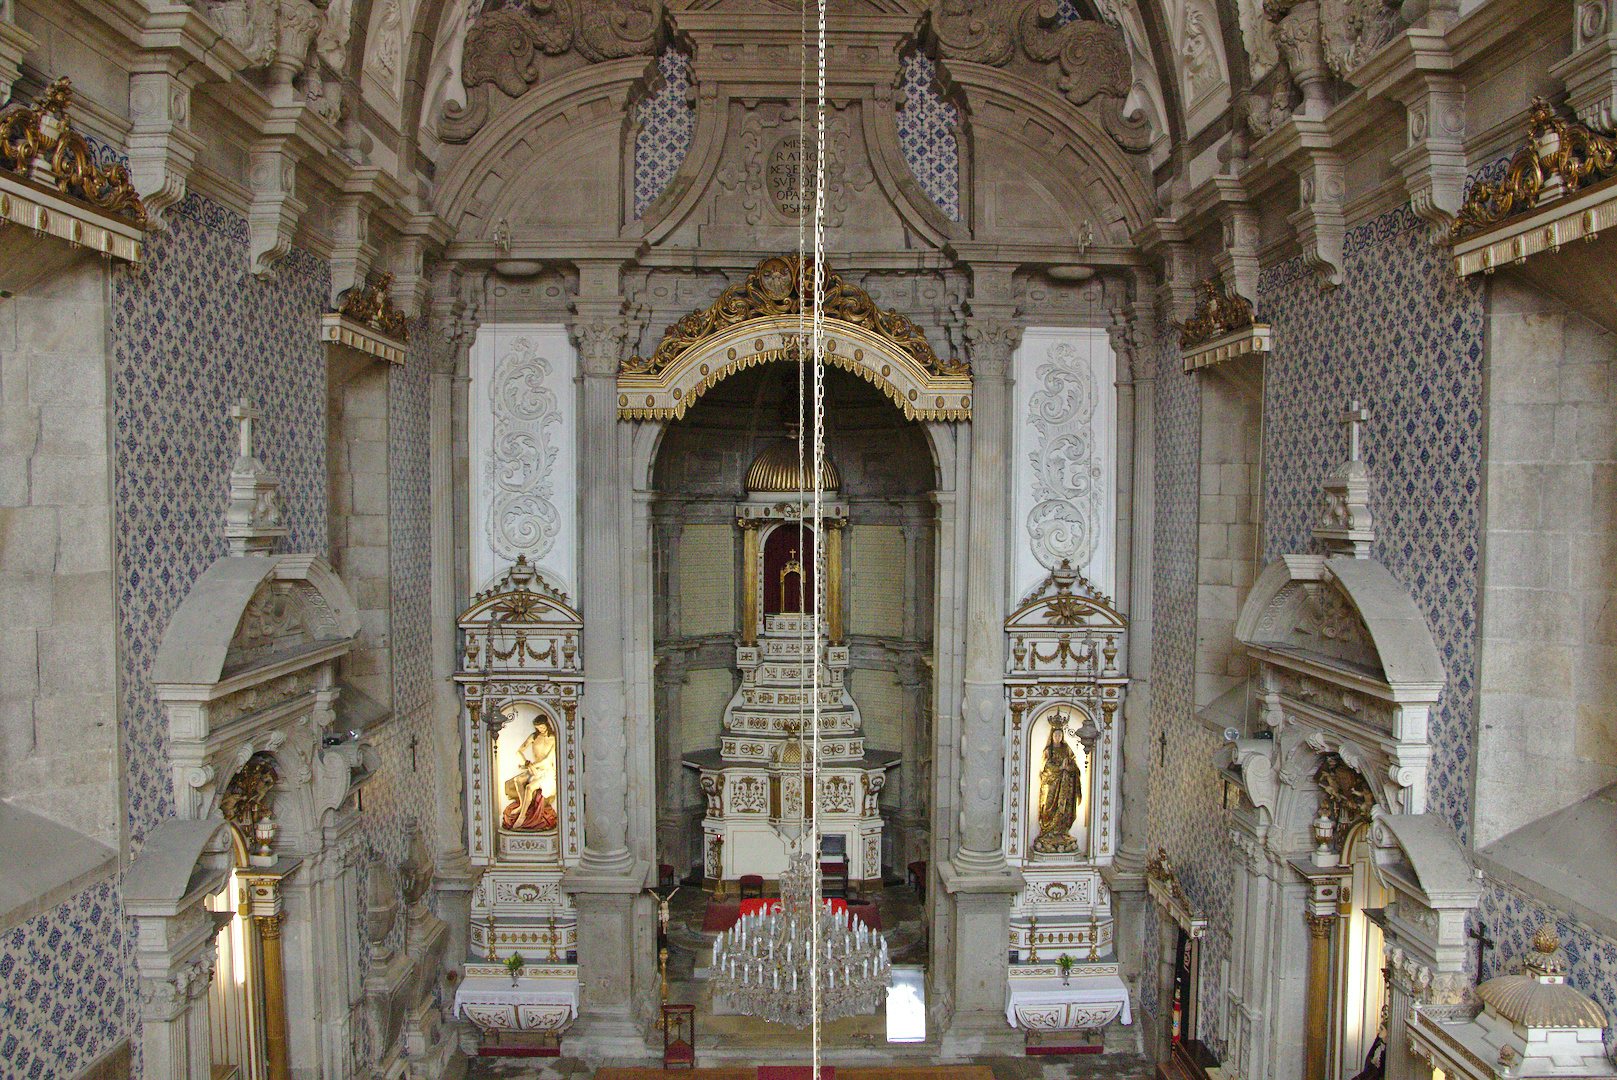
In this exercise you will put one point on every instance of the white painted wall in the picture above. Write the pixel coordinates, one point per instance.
(524, 452)
(1064, 464)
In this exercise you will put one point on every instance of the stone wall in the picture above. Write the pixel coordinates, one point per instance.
(58, 745)
(1549, 646)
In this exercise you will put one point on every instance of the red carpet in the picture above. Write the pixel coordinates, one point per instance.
(722, 914)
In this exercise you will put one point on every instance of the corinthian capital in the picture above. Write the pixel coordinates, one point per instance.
(603, 341)
(990, 343)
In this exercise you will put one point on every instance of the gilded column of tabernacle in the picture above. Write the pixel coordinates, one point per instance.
(749, 583)
(1316, 1009)
(833, 581)
(269, 943)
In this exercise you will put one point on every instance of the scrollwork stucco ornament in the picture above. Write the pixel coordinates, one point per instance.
(522, 518)
(1067, 479)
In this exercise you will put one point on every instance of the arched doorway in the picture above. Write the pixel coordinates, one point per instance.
(881, 573)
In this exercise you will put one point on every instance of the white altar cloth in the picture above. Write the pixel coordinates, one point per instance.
(1088, 1001)
(533, 1004)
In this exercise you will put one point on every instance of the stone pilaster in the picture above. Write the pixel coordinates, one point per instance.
(608, 878)
(978, 881)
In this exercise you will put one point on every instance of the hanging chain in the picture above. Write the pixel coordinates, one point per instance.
(819, 473)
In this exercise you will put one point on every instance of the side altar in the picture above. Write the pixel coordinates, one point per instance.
(520, 678)
(755, 780)
(1064, 693)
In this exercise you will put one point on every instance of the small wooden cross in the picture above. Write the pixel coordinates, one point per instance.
(414, 742)
(1356, 415)
(1162, 748)
(244, 415)
(1480, 935)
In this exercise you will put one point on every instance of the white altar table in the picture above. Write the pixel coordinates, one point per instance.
(546, 1002)
(1087, 1001)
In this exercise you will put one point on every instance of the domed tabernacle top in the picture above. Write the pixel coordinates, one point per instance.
(776, 470)
(1538, 996)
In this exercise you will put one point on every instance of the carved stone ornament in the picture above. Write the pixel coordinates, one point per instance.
(764, 319)
(301, 44)
(1085, 60)
(1334, 36)
(1222, 328)
(508, 45)
(39, 144)
(771, 176)
(253, 518)
(523, 519)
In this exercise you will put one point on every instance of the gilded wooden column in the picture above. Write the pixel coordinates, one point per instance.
(833, 580)
(1316, 1011)
(749, 582)
(263, 905)
(269, 941)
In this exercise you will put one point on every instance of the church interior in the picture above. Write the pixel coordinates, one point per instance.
(955, 539)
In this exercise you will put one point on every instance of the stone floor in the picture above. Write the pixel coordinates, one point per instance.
(1105, 1067)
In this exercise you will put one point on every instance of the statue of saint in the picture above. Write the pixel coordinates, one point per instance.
(532, 808)
(1058, 795)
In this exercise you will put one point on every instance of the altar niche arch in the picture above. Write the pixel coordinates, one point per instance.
(894, 500)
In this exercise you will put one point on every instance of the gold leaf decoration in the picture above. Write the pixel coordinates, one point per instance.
(370, 305)
(41, 135)
(1220, 312)
(1556, 148)
(776, 287)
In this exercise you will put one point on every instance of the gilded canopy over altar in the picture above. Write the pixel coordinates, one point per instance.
(763, 319)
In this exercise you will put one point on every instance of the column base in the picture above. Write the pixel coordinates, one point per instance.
(609, 940)
(982, 912)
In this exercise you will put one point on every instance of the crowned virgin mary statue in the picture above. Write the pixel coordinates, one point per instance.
(1058, 795)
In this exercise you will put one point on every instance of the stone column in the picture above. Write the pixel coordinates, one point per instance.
(608, 877)
(978, 881)
(673, 839)
(455, 310)
(1135, 343)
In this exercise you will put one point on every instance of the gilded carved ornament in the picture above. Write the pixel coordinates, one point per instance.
(1219, 312)
(38, 143)
(764, 319)
(1561, 157)
(370, 304)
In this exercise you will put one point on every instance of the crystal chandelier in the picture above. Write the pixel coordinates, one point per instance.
(768, 963)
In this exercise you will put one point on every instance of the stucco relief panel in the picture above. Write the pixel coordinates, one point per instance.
(523, 431)
(1199, 55)
(1065, 460)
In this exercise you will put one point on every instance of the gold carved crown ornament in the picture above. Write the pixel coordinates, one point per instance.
(39, 144)
(1557, 149)
(371, 305)
(1218, 313)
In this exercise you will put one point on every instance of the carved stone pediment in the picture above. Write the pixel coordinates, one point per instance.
(1315, 619)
